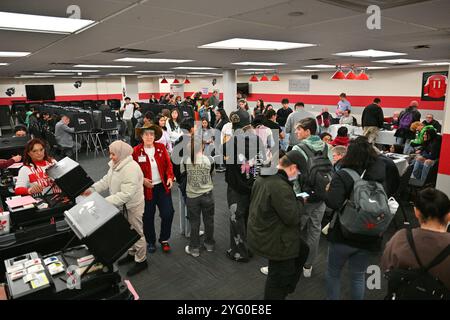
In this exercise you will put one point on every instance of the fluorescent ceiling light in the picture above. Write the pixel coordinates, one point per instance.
(9, 54)
(305, 70)
(194, 68)
(205, 73)
(369, 54)
(398, 61)
(375, 68)
(4, 64)
(435, 64)
(257, 69)
(31, 76)
(144, 71)
(152, 60)
(45, 24)
(323, 66)
(253, 44)
(58, 70)
(100, 66)
(250, 63)
(122, 74)
(52, 74)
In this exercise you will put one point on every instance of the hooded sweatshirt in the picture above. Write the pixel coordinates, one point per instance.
(315, 144)
(340, 141)
(419, 140)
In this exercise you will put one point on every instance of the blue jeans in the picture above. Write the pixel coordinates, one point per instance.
(338, 254)
(284, 143)
(164, 202)
(420, 170)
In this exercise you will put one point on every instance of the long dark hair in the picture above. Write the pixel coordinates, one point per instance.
(29, 146)
(171, 123)
(360, 155)
(223, 115)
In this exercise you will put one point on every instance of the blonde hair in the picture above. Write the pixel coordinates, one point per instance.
(415, 125)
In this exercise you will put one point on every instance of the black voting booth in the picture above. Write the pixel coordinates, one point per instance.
(12, 146)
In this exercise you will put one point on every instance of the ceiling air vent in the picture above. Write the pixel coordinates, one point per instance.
(422, 46)
(361, 5)
(134, 52)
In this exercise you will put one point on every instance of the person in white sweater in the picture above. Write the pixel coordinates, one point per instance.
(125, 183)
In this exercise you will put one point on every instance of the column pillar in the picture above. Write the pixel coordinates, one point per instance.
(229, 90)
(443, 180)
(130, 87)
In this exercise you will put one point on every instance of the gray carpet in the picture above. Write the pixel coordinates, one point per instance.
(212, 275)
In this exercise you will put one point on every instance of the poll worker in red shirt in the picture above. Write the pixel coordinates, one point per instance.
(156, 165)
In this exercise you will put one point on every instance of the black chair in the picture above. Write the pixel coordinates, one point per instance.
(430, 182)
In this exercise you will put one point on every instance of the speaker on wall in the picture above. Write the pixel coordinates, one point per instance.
(314, 76)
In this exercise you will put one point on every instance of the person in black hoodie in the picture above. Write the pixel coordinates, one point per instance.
(372, 120)
(241, 154)
(361, 156)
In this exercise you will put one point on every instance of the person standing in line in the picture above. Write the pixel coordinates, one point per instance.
(372, 120)
(274, 226)
(128, 113)
(343, 105)
(292, 121)
(282, 116)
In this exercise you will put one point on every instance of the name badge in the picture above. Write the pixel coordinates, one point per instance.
(142, 159)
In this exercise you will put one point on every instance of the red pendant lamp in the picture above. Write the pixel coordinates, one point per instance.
(254, 78)
(164, 80)
(351, 75)
(264, 78)
(363, 75)
(176, 80)
(338, 75)
(186, 81)
(275, 77)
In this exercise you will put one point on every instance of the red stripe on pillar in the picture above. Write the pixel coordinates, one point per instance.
(444, 160)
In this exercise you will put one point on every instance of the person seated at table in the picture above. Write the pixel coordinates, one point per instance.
(20, 131)
(32, 178)
(420, 129)
(326, 137)
(396, 148)
(64, 137)
(6, 163)
(348, 119)
(429, 120)
(342, 138)
(429, 154)
(395, 120)
(324, 119)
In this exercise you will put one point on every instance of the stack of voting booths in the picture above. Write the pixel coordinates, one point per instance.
(59, 242)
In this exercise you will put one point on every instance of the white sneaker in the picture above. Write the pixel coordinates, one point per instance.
(194, 252)
(264, 270)
(307, 272)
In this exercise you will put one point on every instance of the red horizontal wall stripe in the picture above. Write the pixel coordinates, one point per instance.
(444, 160)
(8, 101)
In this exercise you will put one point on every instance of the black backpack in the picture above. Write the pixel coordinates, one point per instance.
(417, 284)
(318, 174)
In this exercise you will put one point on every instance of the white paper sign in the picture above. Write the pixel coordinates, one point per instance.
(204, 90)
(299, 84)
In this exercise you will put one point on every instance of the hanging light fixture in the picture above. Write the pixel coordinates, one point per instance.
(264, 78)
(164, 80)
(275, 77)
(186, 81)
(338, 75)
(362, 75)
(176, 80)
(351, 75)
(254, 78)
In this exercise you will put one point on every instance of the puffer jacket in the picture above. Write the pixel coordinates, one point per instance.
(125, 184)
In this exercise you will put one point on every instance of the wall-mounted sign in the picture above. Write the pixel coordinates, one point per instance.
(299, 84)
(434, 85)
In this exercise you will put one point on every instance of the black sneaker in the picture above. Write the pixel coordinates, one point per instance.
(125, 260)
(137, 267)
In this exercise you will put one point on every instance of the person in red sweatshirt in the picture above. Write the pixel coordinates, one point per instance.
(342, 138)
(6, 163)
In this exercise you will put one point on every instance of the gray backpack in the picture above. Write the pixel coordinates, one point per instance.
(367, 211)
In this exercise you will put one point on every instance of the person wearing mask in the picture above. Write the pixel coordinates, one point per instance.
(342, 138)
(432, 209)
(314, 208)
(347, 118)
(292, 121)
(214, 100)
(243, 113)
(154, 161)
(6, 163)
(282, 116)
(429, 120)
(199, 196)
(173, 125)
(64, 137)
(403, 134)
(32, 178)
(165, 138)
(128, 110)
(275, 214)
(124, 181)
(152, 99)
(372, 120)
(343, 105)
(362, 158)
(429, 154)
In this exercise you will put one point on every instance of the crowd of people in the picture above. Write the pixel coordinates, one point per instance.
(283, 173)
